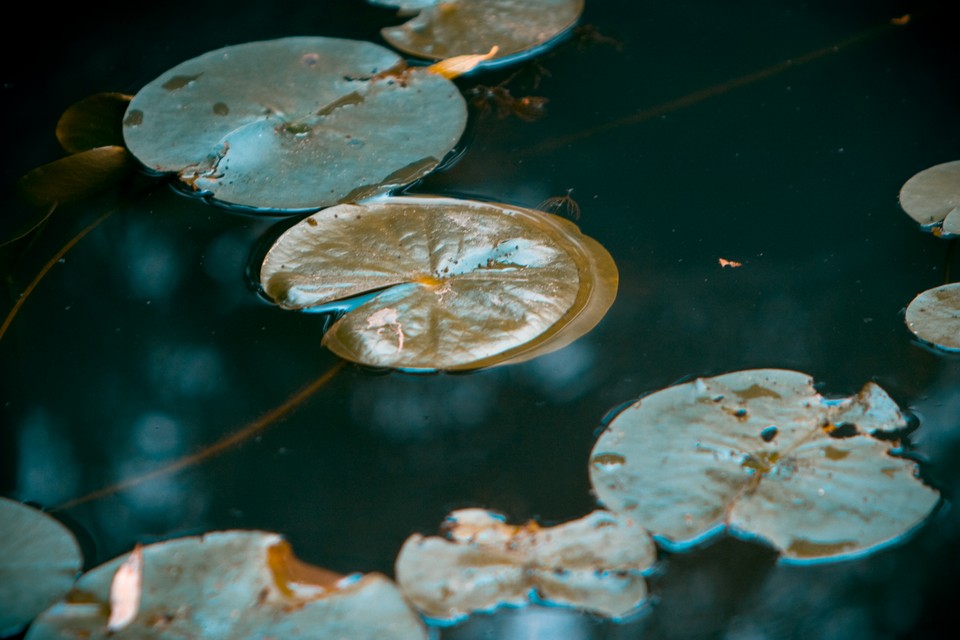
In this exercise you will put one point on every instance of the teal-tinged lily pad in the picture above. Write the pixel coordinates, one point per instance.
(234, 584)
(39, 562)
(595, 564)
(458, 284)
(447, 28)
(762, 454)
(296, 123)
(934, 316)
(932, 198)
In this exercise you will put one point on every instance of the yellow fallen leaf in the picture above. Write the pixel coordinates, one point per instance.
(459, 65)
(125, 591)
(730, 263)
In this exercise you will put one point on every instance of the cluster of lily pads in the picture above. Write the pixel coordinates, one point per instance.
(932, 198)
(332, 128)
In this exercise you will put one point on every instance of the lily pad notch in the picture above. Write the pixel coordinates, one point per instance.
(761, 454)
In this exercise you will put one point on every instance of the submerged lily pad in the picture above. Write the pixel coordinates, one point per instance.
(95, 121)
(234, 584)
(934, 316)
(932, 198)
(595, 564)
(296, 123)
(446, 28)
(761, 453)
(459, 284)
(39, 562)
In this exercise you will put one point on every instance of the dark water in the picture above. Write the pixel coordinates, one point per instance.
(687, 142)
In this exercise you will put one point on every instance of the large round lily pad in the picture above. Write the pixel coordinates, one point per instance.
(39, 561)
(595, 564)
(229, 585)
(761, 453)
(296, 123)
(446, 28)
(934, 316)
(932, 198)
(461, 284)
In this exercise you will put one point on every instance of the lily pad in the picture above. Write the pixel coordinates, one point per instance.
(595, 564)
(932, 198)
(458, 284)
(762, 454)
(446, 28)
(296, 123)
(39, 562)
(934, 316)
(95, 121)
(234, 584)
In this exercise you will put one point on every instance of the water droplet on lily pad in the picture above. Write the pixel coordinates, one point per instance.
(446, 28)
(296, 123)
(234, 584)
(932, 198)
(459, 284)
(934, 316)
(594, 564)
(39, 561)
(692, 468)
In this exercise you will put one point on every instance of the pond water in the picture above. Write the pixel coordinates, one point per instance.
(685, 140)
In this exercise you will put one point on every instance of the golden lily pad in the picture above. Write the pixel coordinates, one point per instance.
(932, 198)
(95, 121)
(296, 123)
(934, 316)
(39, 562)
(459, 284)
(762, 454)
(233, 584)
(595, 564)
(446, 28)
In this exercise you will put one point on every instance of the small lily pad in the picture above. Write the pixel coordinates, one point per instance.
(594, 564)
(446, 28)
(234, 584)
(934, 316)
(932, 198)
(458, 284)
(296, 123)
(39, 562)
(762, 454)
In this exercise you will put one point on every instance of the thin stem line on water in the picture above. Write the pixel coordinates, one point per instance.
(50, 264)
(214, 449)
(712, 91)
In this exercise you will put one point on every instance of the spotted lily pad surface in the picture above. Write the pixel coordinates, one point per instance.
(932, 198)
(460, 284)
(295, 123)
(595, 563)
(934, 316)
(446, 28)
(761, 453)
(39, 561)
(229, 585)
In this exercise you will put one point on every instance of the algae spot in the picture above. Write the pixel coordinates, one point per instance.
(835, 454)
(802, 548)
(221, 109)
(134, 118)
(350, 99)
(608, 460)
(756, 391)
(179, 82)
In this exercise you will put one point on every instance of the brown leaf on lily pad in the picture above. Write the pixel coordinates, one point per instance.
(95, 121)
(934, 316)
(760, 453)
(932, 198)
(233, 584)
(595, 564)
(456, 284)
(446, 28)
(39, 561)
(295, 124)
